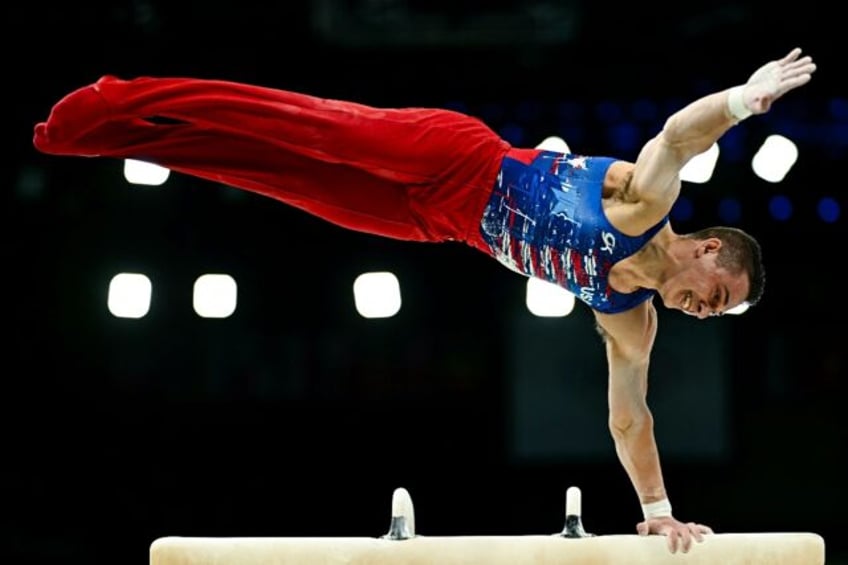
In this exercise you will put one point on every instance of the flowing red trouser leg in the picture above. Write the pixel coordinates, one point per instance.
(417, 173)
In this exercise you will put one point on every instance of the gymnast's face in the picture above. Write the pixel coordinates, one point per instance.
(701, 287)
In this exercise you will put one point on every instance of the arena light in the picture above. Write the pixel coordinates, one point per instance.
(775, 158)
(780, 207)
(554, 143)
(129, 295)
(828, 209)
(699, 169)
(143, 173)
(377, 295)
(215, 295)
(547, 300)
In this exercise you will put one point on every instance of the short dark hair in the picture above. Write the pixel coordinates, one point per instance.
(740, 251)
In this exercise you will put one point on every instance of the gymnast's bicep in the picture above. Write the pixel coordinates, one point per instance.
(628, 338)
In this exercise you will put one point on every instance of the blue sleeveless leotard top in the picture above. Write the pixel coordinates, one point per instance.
(546, 220)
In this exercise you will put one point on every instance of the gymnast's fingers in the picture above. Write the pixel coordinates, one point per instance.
(685, 539)
(705, 529)
(695, 530)
(672, 539)
(791, 56)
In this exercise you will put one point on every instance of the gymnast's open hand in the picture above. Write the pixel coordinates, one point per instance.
(776, 78)
(680, 535)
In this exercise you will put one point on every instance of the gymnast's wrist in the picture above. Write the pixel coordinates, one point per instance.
(658, 509)
(736, 103)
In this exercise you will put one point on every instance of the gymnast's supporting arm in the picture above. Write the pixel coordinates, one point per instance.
(629, 338)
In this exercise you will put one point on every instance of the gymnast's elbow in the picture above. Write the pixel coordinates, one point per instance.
(630, 422)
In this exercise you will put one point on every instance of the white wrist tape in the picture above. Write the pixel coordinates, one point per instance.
(658, 509)
(736, 105)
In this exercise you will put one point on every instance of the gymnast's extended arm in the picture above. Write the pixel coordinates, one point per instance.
(690, 131)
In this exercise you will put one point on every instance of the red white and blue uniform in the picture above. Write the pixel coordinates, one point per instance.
(545, 219)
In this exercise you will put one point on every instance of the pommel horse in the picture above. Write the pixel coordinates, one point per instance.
(570, 546)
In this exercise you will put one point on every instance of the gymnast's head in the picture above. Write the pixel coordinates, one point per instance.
(717, 269)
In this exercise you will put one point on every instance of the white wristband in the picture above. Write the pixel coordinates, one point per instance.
(736, 105)
(658, 509)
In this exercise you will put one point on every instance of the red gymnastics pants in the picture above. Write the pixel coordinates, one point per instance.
(413, 174)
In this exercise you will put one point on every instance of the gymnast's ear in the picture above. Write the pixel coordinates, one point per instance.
(707, 246)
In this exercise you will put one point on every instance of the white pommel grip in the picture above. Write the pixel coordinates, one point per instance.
(572, 501)
(402, 525)
(573, 522)
(401, 502)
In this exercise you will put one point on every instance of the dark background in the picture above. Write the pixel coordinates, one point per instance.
(295, 417)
